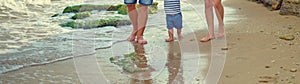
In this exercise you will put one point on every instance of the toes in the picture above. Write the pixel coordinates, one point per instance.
(169, 40)
(205, 39)
(142, 42)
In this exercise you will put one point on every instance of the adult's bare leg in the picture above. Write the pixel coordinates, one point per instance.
(220, 15)
(133, 15)
(142, 21)
(209, 20)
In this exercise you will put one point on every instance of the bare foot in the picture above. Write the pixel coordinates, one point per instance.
(206, 39)
(131, 38)
(141, 40)
(169, 40)
(180, 37)
(220, 35)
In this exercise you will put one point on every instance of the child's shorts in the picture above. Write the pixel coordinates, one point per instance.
(174, 21)
(144, 2)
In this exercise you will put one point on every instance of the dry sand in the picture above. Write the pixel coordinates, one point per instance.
(255, 51)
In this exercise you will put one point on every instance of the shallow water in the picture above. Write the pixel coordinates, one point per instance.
(29, 40)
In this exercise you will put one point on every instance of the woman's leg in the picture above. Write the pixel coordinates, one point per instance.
(133, 15)
(209, 20)
(220, 14)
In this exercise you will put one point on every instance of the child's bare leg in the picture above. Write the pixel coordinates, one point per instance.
(171, 35)
(133, 15)
(180, 37)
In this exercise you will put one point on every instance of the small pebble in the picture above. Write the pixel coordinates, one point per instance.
(293, 70)
(261, 31)
(225, 48)
(274, 43)
(263, 81)
(287, 37)
(267, 66)
(227, 76)
(298, 64)
(273, 61)
(291, 43)
(274, 47)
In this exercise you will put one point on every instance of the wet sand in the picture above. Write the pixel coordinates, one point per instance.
(255, 54)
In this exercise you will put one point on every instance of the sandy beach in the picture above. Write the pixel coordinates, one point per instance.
(255, 55)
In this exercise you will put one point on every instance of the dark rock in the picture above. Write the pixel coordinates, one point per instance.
(276, 5)
(114, 7)
(54, 15)
(290, 7)
(273, 4)
(152, 9)
(85, 7)
(287, 37)
(128, 62)
(225, 48)
(122, 10)
(81, 15)
(108, 21)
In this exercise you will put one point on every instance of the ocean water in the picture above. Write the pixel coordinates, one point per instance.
(31, 37)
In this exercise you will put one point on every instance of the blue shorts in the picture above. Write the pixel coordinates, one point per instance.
(143, 2)
(174, 21)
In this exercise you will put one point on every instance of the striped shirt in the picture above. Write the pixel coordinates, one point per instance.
(172, 6)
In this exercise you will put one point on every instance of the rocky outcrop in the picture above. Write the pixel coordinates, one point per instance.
(84, 8)
(121, 8)
(93, 16)
(272, 4)
(286, 7)
(93, 22)
(290, 7)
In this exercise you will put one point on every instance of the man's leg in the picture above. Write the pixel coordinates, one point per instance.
(133, 15)
(142, 21)
(220, 14)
